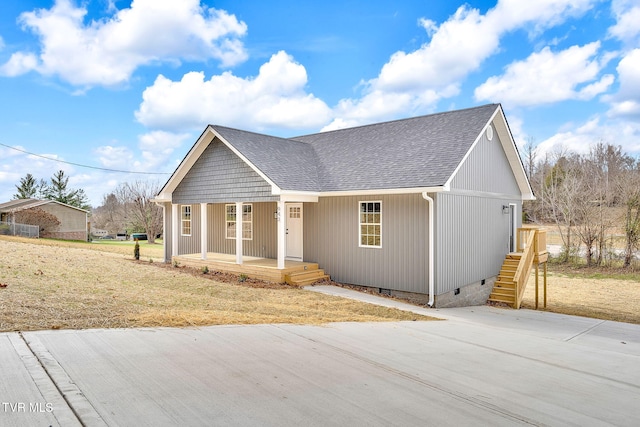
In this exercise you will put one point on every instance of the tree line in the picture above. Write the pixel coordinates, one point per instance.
(593, 199)
(56, 189)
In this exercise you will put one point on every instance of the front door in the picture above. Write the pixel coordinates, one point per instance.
(294, 230)
(513, 221)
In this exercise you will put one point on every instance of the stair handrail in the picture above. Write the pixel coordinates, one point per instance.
(521, 277)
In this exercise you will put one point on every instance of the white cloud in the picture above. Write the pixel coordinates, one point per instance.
(547, 77)
(274, 98)
(579, 138)
(627, 101)
(114, 157)
(107, 52)
(417, 80)
(627, 13)
(157, 147)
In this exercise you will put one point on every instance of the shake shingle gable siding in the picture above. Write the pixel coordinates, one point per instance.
(220, 176)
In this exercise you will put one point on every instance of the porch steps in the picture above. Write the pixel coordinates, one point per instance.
(504, 290)
(306, 277)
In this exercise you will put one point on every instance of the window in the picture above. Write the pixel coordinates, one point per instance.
(295, 212)
(186, 220)
(370, 224)
(247, 221)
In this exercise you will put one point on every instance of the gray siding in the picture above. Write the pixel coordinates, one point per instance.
(220, 176)
(487, 169)
(167, 235)
(472, 232)
(472, 239)
(264, 243)
(265, 235)
(190, 244)
(331, 239)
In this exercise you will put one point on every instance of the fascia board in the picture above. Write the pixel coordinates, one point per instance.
(383, 191)
(511, 150)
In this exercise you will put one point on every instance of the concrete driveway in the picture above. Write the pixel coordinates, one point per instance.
(480, 366)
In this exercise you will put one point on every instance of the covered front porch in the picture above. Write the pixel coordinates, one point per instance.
(294, 272)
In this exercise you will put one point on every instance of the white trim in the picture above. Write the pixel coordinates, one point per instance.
(226, 222)
(286, 214)
(360, 202)
(203, 230)
(483, 194)
(238, 233)
(282, 234)
(175, 223)
(182, 221)
(513, 216)
(385, 191)
(431, 254)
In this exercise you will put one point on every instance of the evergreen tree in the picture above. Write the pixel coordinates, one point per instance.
(59, 191)
(27, 188)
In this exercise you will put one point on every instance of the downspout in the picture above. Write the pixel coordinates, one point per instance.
(431, 254)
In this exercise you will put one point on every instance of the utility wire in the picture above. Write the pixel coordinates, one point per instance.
(81, 165)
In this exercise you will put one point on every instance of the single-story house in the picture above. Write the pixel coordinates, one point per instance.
(73, 220)
(425, 207)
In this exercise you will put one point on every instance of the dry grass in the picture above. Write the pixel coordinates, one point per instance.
(596, 297)
(52, 285)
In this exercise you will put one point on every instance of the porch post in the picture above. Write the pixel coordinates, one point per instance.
(238, 232)
(203, 230)
(282, 234)
(175, 224)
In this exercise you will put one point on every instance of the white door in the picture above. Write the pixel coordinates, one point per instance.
(513, 222)
(294, 230)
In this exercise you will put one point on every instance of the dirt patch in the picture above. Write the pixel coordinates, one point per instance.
(52, 286)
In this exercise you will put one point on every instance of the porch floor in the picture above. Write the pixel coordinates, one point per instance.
(254, 267)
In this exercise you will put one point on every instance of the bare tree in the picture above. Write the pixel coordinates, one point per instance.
(629, 192)
(562, 192)
(110, 215)
(139, 212)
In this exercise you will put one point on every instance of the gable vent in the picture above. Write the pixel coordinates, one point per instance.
(489, 132)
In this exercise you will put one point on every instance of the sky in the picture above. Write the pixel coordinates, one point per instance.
(118, 91)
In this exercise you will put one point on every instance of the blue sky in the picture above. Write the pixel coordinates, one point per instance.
(130, 85)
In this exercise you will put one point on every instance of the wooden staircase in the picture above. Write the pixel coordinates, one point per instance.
(306, 277)
(504, 290)
(531, 249)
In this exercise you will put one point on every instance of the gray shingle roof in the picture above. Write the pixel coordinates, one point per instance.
(292, 165)
(410, 153)
(417, 152)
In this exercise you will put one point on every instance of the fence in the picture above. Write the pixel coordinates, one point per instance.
(24, 230)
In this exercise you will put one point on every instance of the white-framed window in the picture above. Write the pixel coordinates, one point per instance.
(247, 221)
(370, 219)
(185, 220)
